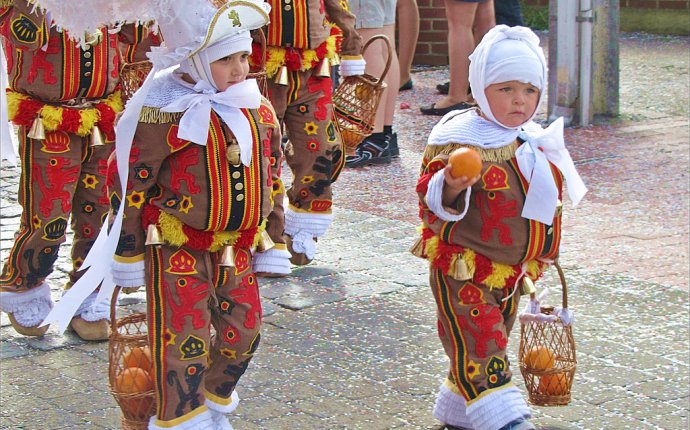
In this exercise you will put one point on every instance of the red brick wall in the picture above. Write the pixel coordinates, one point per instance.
(432, 44)
(634, 4)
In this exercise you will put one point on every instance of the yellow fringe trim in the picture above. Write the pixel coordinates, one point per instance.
(275, 56)
(153, 115)
(172, 233)
(51, 116)
(495, 155)
(499, 271)
(5, 3)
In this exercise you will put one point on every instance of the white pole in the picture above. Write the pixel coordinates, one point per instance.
(585, 19)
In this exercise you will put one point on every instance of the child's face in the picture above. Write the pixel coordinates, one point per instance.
(512, 102)
(230, 70)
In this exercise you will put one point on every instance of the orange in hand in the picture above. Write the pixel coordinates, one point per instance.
(465, 162)
(139, 356)
(540, 358)
(553, 385)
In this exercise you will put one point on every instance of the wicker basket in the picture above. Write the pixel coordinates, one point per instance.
(356, 100)
(132, 75)
(548, 384)
(258, 71)
(130, 334)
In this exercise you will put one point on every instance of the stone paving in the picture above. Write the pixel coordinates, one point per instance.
(349, 341)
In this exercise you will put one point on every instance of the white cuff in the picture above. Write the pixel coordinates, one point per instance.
(434, 198)
(128, 274)
(312, 223)
(223, 409)
(30, 307)
(498, 408)
(91, 311)
(273, 261)
(352, 67)
(202, 421)
(450, 408)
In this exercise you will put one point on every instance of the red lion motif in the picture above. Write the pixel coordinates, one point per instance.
(189, 291)
(58, 177)
(493, 209)
(484, 317)
(248, 293)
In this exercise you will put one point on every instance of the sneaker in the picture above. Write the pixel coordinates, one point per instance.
(519, 424)
(393, 145)
(369, 152)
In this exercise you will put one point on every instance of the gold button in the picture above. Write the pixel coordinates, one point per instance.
(87, 74)
(239, 197)
(236, 175)
(87, 55)
(288, 8)
(288, 1)
(549, 231)
(239, 186)
(87, 64)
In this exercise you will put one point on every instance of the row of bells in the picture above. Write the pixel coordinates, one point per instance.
(38, 132)
(227, 258)
(324, 70)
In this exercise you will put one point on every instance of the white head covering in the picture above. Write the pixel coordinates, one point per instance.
(507, 54)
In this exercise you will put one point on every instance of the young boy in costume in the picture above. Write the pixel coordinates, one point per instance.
(199, 188)
(303, 39)
(63, 97)
(486, 235)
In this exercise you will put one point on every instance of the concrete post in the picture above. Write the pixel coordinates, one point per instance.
(563, 60)
(606, 58)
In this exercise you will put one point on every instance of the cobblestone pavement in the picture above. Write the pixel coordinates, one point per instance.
(349, 341)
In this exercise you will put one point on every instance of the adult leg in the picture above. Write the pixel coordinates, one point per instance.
(408, 32)
(460, 17)
(50, 169)
(484, 20)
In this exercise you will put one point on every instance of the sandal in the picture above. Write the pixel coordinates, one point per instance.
(433, 110)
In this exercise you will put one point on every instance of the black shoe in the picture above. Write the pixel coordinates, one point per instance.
(407, 86)
(443, 88)
(369, 152)
(433, 110)
(393, 145)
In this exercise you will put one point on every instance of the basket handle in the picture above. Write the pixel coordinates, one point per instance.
(113, 308)
(388, 46)
(563, 283)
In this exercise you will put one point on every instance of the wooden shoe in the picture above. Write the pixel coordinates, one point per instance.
(34, 331)
(90, 330)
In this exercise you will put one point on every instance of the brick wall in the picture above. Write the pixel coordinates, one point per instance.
(634, 4)
(432, 44)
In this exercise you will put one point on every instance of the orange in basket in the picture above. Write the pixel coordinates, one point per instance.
(139, 356)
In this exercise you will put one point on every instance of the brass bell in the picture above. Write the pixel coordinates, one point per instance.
(335, 61)
(96, 137)
(37, 131)
(232, 153)
(227, 258)
(324, 69)
(460, 271)
(153, 236)
(417, 248)
(265, 242)
(282, 77)
(528, 287)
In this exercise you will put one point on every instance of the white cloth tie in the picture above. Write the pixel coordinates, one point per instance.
(197, 107)
(533, 157)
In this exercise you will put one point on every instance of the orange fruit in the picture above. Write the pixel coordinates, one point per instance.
(139, 357)
(553, 385)
(540, 358)
(134, 380)
(465, 162)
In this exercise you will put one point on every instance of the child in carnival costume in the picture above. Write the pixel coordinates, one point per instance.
(487, 235)
(193, 164)
(303, 39)
(63, 96)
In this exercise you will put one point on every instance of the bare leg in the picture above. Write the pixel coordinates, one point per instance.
(408, 32)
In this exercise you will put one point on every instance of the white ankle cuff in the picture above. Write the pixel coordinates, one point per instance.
(201, 421)
(497, 408)
(29, 308)
(273, 261)
(450, 408)
(315, 224)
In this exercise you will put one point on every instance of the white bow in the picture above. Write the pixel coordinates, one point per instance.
(541, 147)
(194, 124)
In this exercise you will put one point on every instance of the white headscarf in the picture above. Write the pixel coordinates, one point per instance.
(507, 54)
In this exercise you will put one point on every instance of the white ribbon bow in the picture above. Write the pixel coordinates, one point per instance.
(194, 124)
(533, 157)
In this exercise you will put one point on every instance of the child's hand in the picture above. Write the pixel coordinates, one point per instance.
(457, 184)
